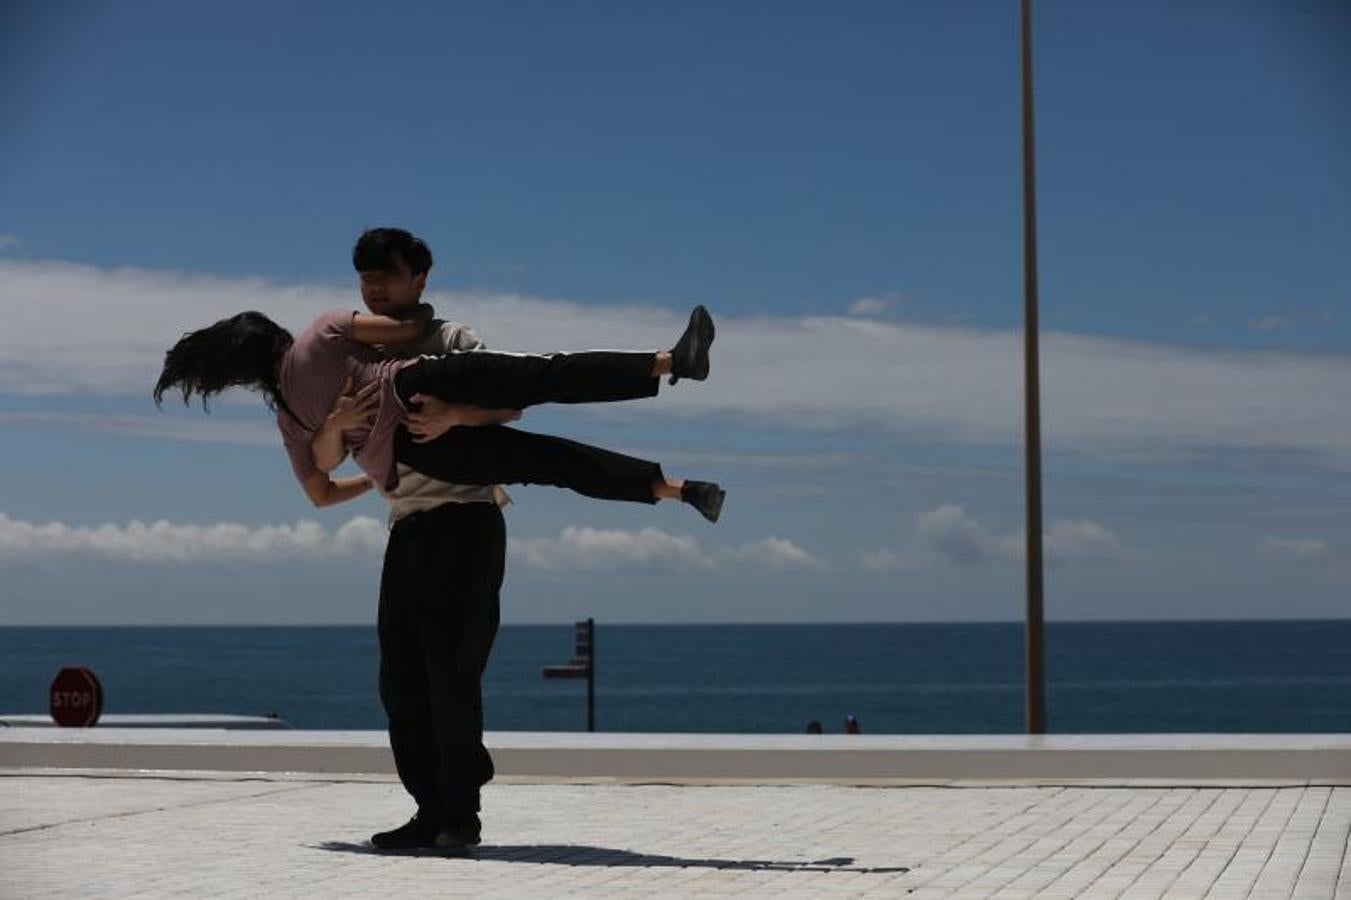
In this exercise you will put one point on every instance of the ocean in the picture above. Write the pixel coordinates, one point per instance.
(1255, 676)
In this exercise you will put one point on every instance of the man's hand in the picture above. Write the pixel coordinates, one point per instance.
(422, 314)
(354, 410)
(419, 312)
(401, 328)
(436, 417)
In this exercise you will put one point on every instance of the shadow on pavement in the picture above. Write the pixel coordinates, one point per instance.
(583, 855)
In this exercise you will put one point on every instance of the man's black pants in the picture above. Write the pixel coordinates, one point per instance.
(496, 454)
(439, 606)
(439, 612)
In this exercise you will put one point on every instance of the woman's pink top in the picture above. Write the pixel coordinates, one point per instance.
(313, 372)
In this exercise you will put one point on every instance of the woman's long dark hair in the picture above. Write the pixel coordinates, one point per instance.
(241, 351)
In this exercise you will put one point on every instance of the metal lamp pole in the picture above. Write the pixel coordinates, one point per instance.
(1036, 674)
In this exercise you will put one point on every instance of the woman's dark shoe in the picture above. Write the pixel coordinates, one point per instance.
(689, 357)
(418, 832)
(704, 496)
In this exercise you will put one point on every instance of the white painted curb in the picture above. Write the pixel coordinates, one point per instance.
(1317, 757)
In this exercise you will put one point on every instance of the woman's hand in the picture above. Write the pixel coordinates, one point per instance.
(436, 417)
(354, 410)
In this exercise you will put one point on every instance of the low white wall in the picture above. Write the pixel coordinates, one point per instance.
(864, 758)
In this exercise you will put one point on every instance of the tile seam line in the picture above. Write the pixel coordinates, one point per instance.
(1209, 840)
(231, 777)
(1073, 814)
(1271, 852)
(176, 806)
(1341, 867)
(1142, 839)
(968, 841)
(1163, 852)
(222, 776)
(1313, 835)
(1063, 876)
(1214, 882)
(228, 777)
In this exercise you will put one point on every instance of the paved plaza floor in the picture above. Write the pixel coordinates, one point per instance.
(115, 834)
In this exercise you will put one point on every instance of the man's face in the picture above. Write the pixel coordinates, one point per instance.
(392, 293)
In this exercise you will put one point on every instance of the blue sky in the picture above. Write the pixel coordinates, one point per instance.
(839, 182)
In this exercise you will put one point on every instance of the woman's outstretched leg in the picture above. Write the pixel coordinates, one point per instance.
(496, 454)
(500, 380)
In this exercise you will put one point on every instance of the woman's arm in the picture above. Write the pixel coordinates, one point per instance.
(371, 329)
(318, 487)
(328, 448)
(351, 410)
(325, 491)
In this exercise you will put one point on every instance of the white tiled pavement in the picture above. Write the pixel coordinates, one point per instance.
(123, 835)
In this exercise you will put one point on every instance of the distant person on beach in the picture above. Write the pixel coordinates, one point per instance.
(813, 727)
(445, 558)
(850, 725)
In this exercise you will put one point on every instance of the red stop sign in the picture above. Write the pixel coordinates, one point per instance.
(75, 698)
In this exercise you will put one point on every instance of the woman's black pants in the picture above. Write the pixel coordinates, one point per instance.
(439, 612)
(496, 454)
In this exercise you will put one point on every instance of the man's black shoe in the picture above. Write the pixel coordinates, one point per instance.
(460, 832)
(689, 357)
(704, 496)
(417, 832)
(455, 838)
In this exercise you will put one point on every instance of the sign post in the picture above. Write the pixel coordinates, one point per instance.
(582, 665)
(75, 698)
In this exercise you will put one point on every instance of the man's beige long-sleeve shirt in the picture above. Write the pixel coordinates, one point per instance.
(416, 491)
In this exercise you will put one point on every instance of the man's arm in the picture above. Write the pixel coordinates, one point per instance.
(462, 337)
(374, 330)
(434, 416)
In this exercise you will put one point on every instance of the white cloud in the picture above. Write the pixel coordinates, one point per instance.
(575, 547)
(884, 560)
(208, 429)
(583, 547)
(1282, 549)
(9, 241)
(75, 328)
(775, 553)
(949, 534)
(1291, 316)
(869, 306)
(1069, 541)
(1269, 323)
(171, 542)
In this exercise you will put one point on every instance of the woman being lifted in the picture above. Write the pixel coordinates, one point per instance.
(300, 378)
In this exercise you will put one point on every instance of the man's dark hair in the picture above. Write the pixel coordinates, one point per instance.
(381, 249)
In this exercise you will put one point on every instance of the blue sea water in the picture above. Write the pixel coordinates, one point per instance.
(1261, 676)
